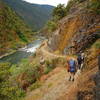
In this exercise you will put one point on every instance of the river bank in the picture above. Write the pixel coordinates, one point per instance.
(17, 55)
(7, 54)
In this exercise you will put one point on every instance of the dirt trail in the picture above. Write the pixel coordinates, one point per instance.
(71, 93)
(57, 86)
(52, 88)
(48, 54)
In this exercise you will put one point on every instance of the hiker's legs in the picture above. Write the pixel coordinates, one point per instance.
(69, 76)
(81, 66)
(73, 74)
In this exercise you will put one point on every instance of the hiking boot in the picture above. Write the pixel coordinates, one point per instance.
(73, 79)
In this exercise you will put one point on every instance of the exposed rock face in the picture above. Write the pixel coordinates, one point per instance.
(53, 42)
(80, 26)
(77, 32)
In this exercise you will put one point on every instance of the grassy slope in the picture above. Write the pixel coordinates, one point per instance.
(33, 14)
(13, 32)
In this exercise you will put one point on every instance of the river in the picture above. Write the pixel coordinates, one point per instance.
(22, 53)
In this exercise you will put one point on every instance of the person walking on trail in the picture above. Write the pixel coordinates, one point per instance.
(72, 64)
(80, 60)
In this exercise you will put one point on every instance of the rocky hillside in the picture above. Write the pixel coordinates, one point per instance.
(33, 14)
(80, 31)
(44, 75)
(80, 28)
(13, 32)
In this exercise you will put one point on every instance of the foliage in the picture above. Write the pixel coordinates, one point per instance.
(22, 36)
(51, 64)
(97, 44)
(30, 72)
(69, 5)
(8, 90)
(35, 85)
(94, 5)
(60, 11)
(13, 31)
(47, 69)
(14, 78)
(51, 26)
(4, 71)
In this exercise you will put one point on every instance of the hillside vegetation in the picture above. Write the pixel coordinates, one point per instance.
(80, 26)
(33, 14)
(76, 30)
(13, 32)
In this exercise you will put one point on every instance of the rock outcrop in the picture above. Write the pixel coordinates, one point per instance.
(79, 29)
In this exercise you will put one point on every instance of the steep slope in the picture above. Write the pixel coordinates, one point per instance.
(80, 28)
(13, 32)
(33, 14)
(78, 31)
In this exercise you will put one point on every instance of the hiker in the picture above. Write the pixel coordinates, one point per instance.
(80, 60)
(72, 64)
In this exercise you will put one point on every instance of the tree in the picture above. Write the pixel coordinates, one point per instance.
(60, 11)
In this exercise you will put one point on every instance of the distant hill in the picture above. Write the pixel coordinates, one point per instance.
(13, 32)
(34, 15)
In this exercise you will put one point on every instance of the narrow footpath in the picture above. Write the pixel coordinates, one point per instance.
(57, 86)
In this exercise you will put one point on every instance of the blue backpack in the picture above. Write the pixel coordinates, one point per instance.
(72, 65)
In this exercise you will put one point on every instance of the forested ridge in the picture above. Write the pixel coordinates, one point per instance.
(13, 31)
(34, 15)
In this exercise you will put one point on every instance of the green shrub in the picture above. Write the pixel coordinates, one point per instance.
(51, 26)
(31, 71)
(4, 71)
(9, 90)
(51, 64)
(59, 11)
(69, 5)
(94, 5)
(35, 85)
(47, 70)
(97, 44)
(22, 36)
